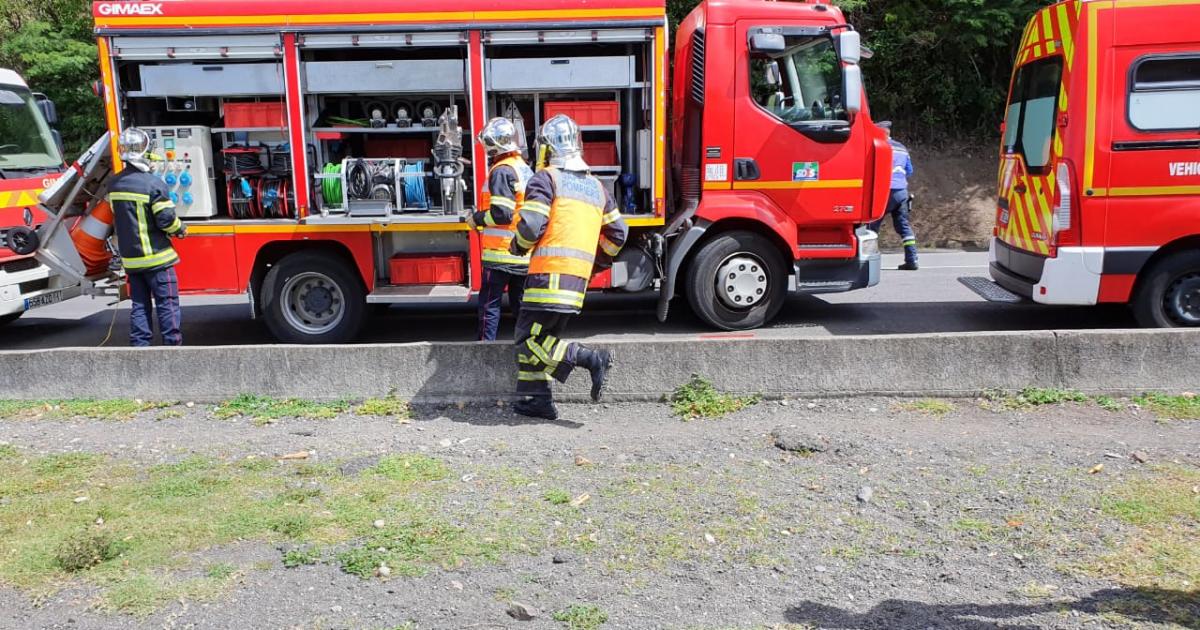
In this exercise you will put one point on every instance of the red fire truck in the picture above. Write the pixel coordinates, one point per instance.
(323, 158)
(1099, 195)
(29, 161)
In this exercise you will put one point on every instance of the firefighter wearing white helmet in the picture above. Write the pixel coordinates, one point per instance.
(500, 207)
(572, 228)
(144, 221)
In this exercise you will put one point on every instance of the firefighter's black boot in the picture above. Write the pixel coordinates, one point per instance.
(536, 407)
(597, 362)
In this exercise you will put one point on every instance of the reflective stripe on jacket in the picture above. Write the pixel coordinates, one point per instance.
(502, 197)
(572, 226)
(144, 220)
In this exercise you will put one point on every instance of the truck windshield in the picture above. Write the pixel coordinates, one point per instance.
(25, 139)
(809, 81)
(1029, 122)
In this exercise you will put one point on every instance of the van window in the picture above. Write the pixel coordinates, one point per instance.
(1164, 94)
(809, 81)
(1029, 121)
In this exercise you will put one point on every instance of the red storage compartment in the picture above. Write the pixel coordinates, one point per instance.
(586, 113)
(265, 114)
(393, 147)
(600, 153)
(409, 269)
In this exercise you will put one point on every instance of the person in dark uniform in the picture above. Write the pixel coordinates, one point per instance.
(500, 206)
(899, 200)
(144, 221)
(572, 228)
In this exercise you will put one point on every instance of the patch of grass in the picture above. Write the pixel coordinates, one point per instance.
(293, 558)
(220, 570)
(557, 496)
(8, 451)
(85, 550)
(1037, 590)
(699, 399)
(582, 617)
(409, 547)
(1108, 403)
(410, 468)
(929, 406)
(1184, 407)
(144, 593)
(265, 409)
(1040, 396)
(110, 409)
(975, 527)
(389, 407)
(1165, 513)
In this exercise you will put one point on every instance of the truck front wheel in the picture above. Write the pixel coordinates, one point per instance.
(313, 297)
(737, 281)
(1168, 296)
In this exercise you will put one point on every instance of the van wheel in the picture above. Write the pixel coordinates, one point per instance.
(313, 297)
(737, 281)
(1168, 295)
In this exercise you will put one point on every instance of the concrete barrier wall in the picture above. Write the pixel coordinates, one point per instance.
(916, 365)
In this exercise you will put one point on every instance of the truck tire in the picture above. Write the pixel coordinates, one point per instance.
(313, 298)
(1168, 294)
(10, 318)
(737, 281)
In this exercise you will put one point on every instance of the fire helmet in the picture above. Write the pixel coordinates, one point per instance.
(134, 145)
(561, 135)
(499, 136)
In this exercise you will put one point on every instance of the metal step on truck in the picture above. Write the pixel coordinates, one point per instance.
(322, 159)
(30, 160)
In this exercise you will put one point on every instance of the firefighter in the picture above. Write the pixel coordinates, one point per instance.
(572, 227)
(899, 201)
(500, 206)
(144, 221)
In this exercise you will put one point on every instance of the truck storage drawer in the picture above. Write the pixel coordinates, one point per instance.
(221, 79)
(419, 76)
(562, 73)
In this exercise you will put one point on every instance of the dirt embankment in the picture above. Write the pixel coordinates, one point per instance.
(955, 189)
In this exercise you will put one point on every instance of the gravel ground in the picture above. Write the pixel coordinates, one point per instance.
(896, 519)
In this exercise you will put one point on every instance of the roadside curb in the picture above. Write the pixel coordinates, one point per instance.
(942, 364)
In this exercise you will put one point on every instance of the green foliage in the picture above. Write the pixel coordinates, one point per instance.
(50, 43)
(557, 496)
(582, 617)
(265, 410)
(1184, 407)
(699, 399)
(293, 558)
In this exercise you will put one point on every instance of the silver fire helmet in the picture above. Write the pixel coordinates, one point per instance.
(561, 135)
(499, 136)
(134, 146)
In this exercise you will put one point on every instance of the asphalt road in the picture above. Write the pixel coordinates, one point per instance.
(929, 300)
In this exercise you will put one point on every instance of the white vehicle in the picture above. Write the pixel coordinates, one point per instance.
(30, 160)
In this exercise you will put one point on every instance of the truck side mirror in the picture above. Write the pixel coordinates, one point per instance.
(852, 89)
(772, 75)
(850, 47)
(58, 142)
(49, 111)
(767, 43)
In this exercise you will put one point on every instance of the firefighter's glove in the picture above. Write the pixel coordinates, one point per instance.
(471, 221)
(182, 233)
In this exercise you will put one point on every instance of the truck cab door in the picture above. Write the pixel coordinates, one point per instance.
(794, 141)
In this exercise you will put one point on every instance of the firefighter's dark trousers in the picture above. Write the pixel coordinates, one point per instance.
(542, 354)
(898, 207)
(154, 292)
(490, 295)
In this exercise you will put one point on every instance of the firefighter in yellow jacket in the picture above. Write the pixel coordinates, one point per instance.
(571, 227)
(500, 206)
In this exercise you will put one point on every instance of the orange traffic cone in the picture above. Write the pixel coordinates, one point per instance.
(90, 236)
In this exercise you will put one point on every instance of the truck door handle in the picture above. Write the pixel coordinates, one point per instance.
(745, 169)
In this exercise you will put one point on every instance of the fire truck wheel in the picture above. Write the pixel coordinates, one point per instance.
(10, 318)
(313, 297)
(1168, 296)
(737, 281)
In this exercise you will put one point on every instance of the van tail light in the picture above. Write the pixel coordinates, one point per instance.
(1065, 228)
